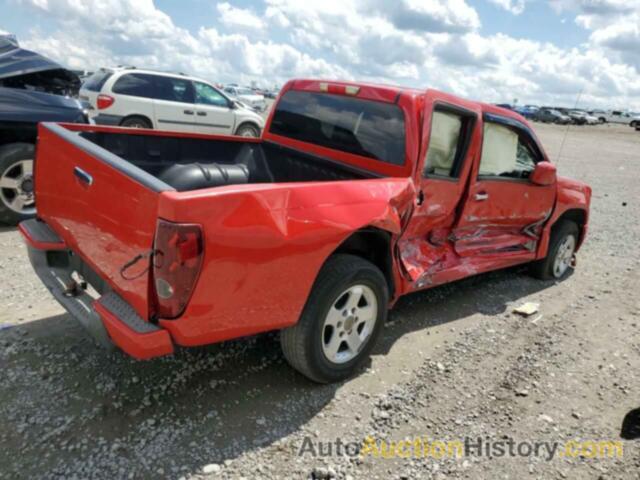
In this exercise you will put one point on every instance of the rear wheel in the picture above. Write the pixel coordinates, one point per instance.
(340, 322)
(559, 259)
(17, 199)
(248, 130)
(136, 122)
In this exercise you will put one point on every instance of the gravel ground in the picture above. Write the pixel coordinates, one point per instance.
(453, 362)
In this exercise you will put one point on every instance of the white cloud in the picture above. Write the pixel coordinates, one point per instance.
(419, 43)
(427, 15)
(513, 6)
(614, 25)
(232, 17)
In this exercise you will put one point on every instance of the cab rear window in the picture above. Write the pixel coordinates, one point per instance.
(362, 127)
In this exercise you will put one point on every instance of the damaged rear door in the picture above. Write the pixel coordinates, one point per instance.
(503, 212)
(450, 139)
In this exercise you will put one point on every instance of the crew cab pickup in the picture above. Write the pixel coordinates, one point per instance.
(354, 195)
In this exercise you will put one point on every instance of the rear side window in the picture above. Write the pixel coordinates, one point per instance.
(362, 127)
(136, 85)
(174, 89)
(96, 81)
(506, 153)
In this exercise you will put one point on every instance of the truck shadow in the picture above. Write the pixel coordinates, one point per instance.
(200, 406)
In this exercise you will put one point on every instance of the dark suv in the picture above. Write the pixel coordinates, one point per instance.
(32, 89)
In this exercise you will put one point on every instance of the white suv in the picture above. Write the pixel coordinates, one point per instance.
(129, 97)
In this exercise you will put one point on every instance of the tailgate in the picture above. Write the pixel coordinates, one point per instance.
(103, 207)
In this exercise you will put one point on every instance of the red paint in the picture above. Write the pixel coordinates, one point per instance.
(139, 345)
(37, 243)
(114, 219)
(263, 244)
(544, 174)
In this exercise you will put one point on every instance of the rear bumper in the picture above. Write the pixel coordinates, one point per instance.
(106, 119)
(109, 319)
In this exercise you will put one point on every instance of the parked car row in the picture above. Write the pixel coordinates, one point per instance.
(247, 96)
(566, 116)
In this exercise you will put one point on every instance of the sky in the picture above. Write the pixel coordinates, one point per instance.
(551, 52)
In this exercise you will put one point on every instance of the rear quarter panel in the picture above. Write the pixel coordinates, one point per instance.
(264, 246)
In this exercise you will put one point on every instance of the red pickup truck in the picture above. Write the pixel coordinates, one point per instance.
(354, 195)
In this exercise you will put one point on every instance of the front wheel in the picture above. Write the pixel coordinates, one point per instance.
(559, 259)
(17, 200)
(340, 322)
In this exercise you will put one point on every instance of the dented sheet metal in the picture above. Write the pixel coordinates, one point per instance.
(266, 244)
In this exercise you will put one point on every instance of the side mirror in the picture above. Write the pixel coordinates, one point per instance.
(233, 104)
(544, 174)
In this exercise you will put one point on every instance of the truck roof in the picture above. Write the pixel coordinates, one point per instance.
(391, 93)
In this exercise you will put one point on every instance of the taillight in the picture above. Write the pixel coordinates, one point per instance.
(178, 252)
(104, 101)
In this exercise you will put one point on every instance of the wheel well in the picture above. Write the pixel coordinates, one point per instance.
(575, 215)
(248, 122)
(144, 117)
(373, 245)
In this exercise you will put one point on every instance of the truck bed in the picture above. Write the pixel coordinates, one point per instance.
(266, 162)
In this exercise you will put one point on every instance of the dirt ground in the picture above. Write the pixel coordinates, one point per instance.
(453, 363)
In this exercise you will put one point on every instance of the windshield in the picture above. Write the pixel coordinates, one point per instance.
(362, 127)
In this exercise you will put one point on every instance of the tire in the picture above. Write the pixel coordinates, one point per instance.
(602, 120)
(323, 327)
(136, 122)
(17, 200)
(248, 130)
(563, 242)
(634, 124)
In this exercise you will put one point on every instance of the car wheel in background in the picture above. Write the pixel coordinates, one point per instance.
(17, 199)
(602, 120)
(340, 322)
(136, 122)
(559, 259)
(248, 130)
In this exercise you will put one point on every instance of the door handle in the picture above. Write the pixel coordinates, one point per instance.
(202, 114)
(83, 176)
(481, 196)
(188, 112)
